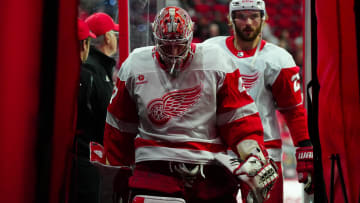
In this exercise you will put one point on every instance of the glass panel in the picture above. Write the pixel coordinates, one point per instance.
(88, 7)
(142, 14)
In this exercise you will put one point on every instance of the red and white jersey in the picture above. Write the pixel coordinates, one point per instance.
(188, 119)
(273, 81)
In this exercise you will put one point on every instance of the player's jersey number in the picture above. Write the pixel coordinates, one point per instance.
(114, 94)
(296, 80)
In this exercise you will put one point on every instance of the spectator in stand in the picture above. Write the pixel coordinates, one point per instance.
(84, 36)
(272, 79)
(85, 180)
(214, 30)
(285, 41)
(101, 63)
(202, 27)
(268, 35)
(220, 20)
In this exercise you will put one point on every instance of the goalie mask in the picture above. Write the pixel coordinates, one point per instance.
(173, 32)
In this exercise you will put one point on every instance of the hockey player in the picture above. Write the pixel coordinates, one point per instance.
(271, 77)
(175, 107)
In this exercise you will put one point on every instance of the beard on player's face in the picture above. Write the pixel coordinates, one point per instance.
(248, 33)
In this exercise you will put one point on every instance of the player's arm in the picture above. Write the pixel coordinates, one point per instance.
(287, 93)
(240, 126)
(116, 159)
(121, 126)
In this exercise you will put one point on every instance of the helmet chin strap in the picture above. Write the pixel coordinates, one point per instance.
(258, 46)
(256, 53)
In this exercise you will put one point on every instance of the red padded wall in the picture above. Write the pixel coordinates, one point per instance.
(20, 65)
(124, 31)
(19, 76)
(339, 103)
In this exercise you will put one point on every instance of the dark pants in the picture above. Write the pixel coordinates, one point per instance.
(157, 178)
(85, 182)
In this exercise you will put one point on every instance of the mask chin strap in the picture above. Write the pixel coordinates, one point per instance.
(172, 69)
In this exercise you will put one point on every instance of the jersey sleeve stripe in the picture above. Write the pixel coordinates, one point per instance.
(121, 125)
(273, 144)
(231, 116)
(118, 146)
(249, 126)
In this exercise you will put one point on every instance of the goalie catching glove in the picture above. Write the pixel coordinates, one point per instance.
(257, 173)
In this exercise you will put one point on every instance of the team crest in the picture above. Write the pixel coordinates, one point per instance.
(250, 80)
(173, 104)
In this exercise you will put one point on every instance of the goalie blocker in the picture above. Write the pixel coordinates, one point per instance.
(114, 179)
(254, 170)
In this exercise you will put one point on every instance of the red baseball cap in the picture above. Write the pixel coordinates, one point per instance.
(84, 31)
(101, 23)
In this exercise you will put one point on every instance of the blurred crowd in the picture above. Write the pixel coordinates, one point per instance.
(284, 24)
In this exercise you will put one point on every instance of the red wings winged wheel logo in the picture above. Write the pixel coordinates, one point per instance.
(250, 80)
(172, 104)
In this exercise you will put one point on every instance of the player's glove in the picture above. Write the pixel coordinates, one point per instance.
(115, 177)
(305, 167)
(254, 175)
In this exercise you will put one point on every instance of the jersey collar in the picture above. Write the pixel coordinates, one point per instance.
(241, 54)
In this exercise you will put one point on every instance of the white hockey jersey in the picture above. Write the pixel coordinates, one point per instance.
(272, 79)
(187, 119)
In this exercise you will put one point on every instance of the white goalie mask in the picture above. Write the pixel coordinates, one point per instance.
(173, 33)
(240, 5)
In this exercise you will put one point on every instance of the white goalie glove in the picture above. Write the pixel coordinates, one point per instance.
(257, 174)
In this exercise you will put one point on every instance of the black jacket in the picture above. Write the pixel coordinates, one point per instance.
(95, 91)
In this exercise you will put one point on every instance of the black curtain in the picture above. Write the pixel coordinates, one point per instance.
(46, 100)
(313, 89)
(357, 24)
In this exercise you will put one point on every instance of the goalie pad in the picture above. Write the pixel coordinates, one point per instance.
(113, 178)
(256, 178)
(156, 199)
